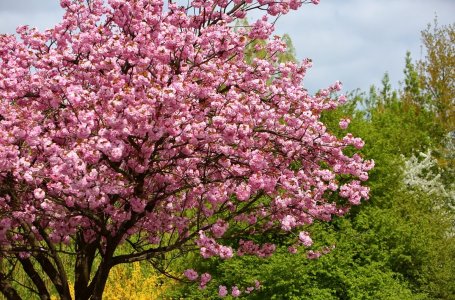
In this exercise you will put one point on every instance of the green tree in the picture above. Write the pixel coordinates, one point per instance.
(437, 71)
(412, 86)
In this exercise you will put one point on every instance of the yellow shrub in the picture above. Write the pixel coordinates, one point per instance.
(128, 282)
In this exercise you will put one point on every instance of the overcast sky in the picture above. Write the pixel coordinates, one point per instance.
(354, 41)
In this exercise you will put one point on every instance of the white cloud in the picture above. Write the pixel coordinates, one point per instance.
(356, 41)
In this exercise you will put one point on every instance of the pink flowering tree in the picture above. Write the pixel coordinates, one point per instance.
(134, 130)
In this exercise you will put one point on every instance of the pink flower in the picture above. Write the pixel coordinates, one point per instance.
(292, 249)
(218, 121)
(243, 192)
(316, 2)
(117, 154)
(235, 291)
(313, 254)
(288, 222)
(191, 274)
(305, 238)
(219, 228)
(344, 123)
(257, 284)
(342, 99)
(28, 177)
(39, 194)
(225, 252)
(222, 291)
(205, 278)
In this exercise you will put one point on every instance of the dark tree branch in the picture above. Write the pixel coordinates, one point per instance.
(28, 267)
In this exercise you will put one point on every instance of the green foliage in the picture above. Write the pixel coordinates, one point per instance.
(412, 84)
(350, 271)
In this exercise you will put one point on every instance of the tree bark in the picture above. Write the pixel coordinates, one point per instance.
(82, 269)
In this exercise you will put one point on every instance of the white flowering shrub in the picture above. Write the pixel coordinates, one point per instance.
(421, 172)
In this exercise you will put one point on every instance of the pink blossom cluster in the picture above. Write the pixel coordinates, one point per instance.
(140, 121)
(205, 278)
(191, 274)
(219, 228)
(209, 247)
(235, 291)
(251, 248)
(305, 239)
(314, 254)
(354, 192)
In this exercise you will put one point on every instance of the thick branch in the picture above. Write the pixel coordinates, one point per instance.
(35, 277)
